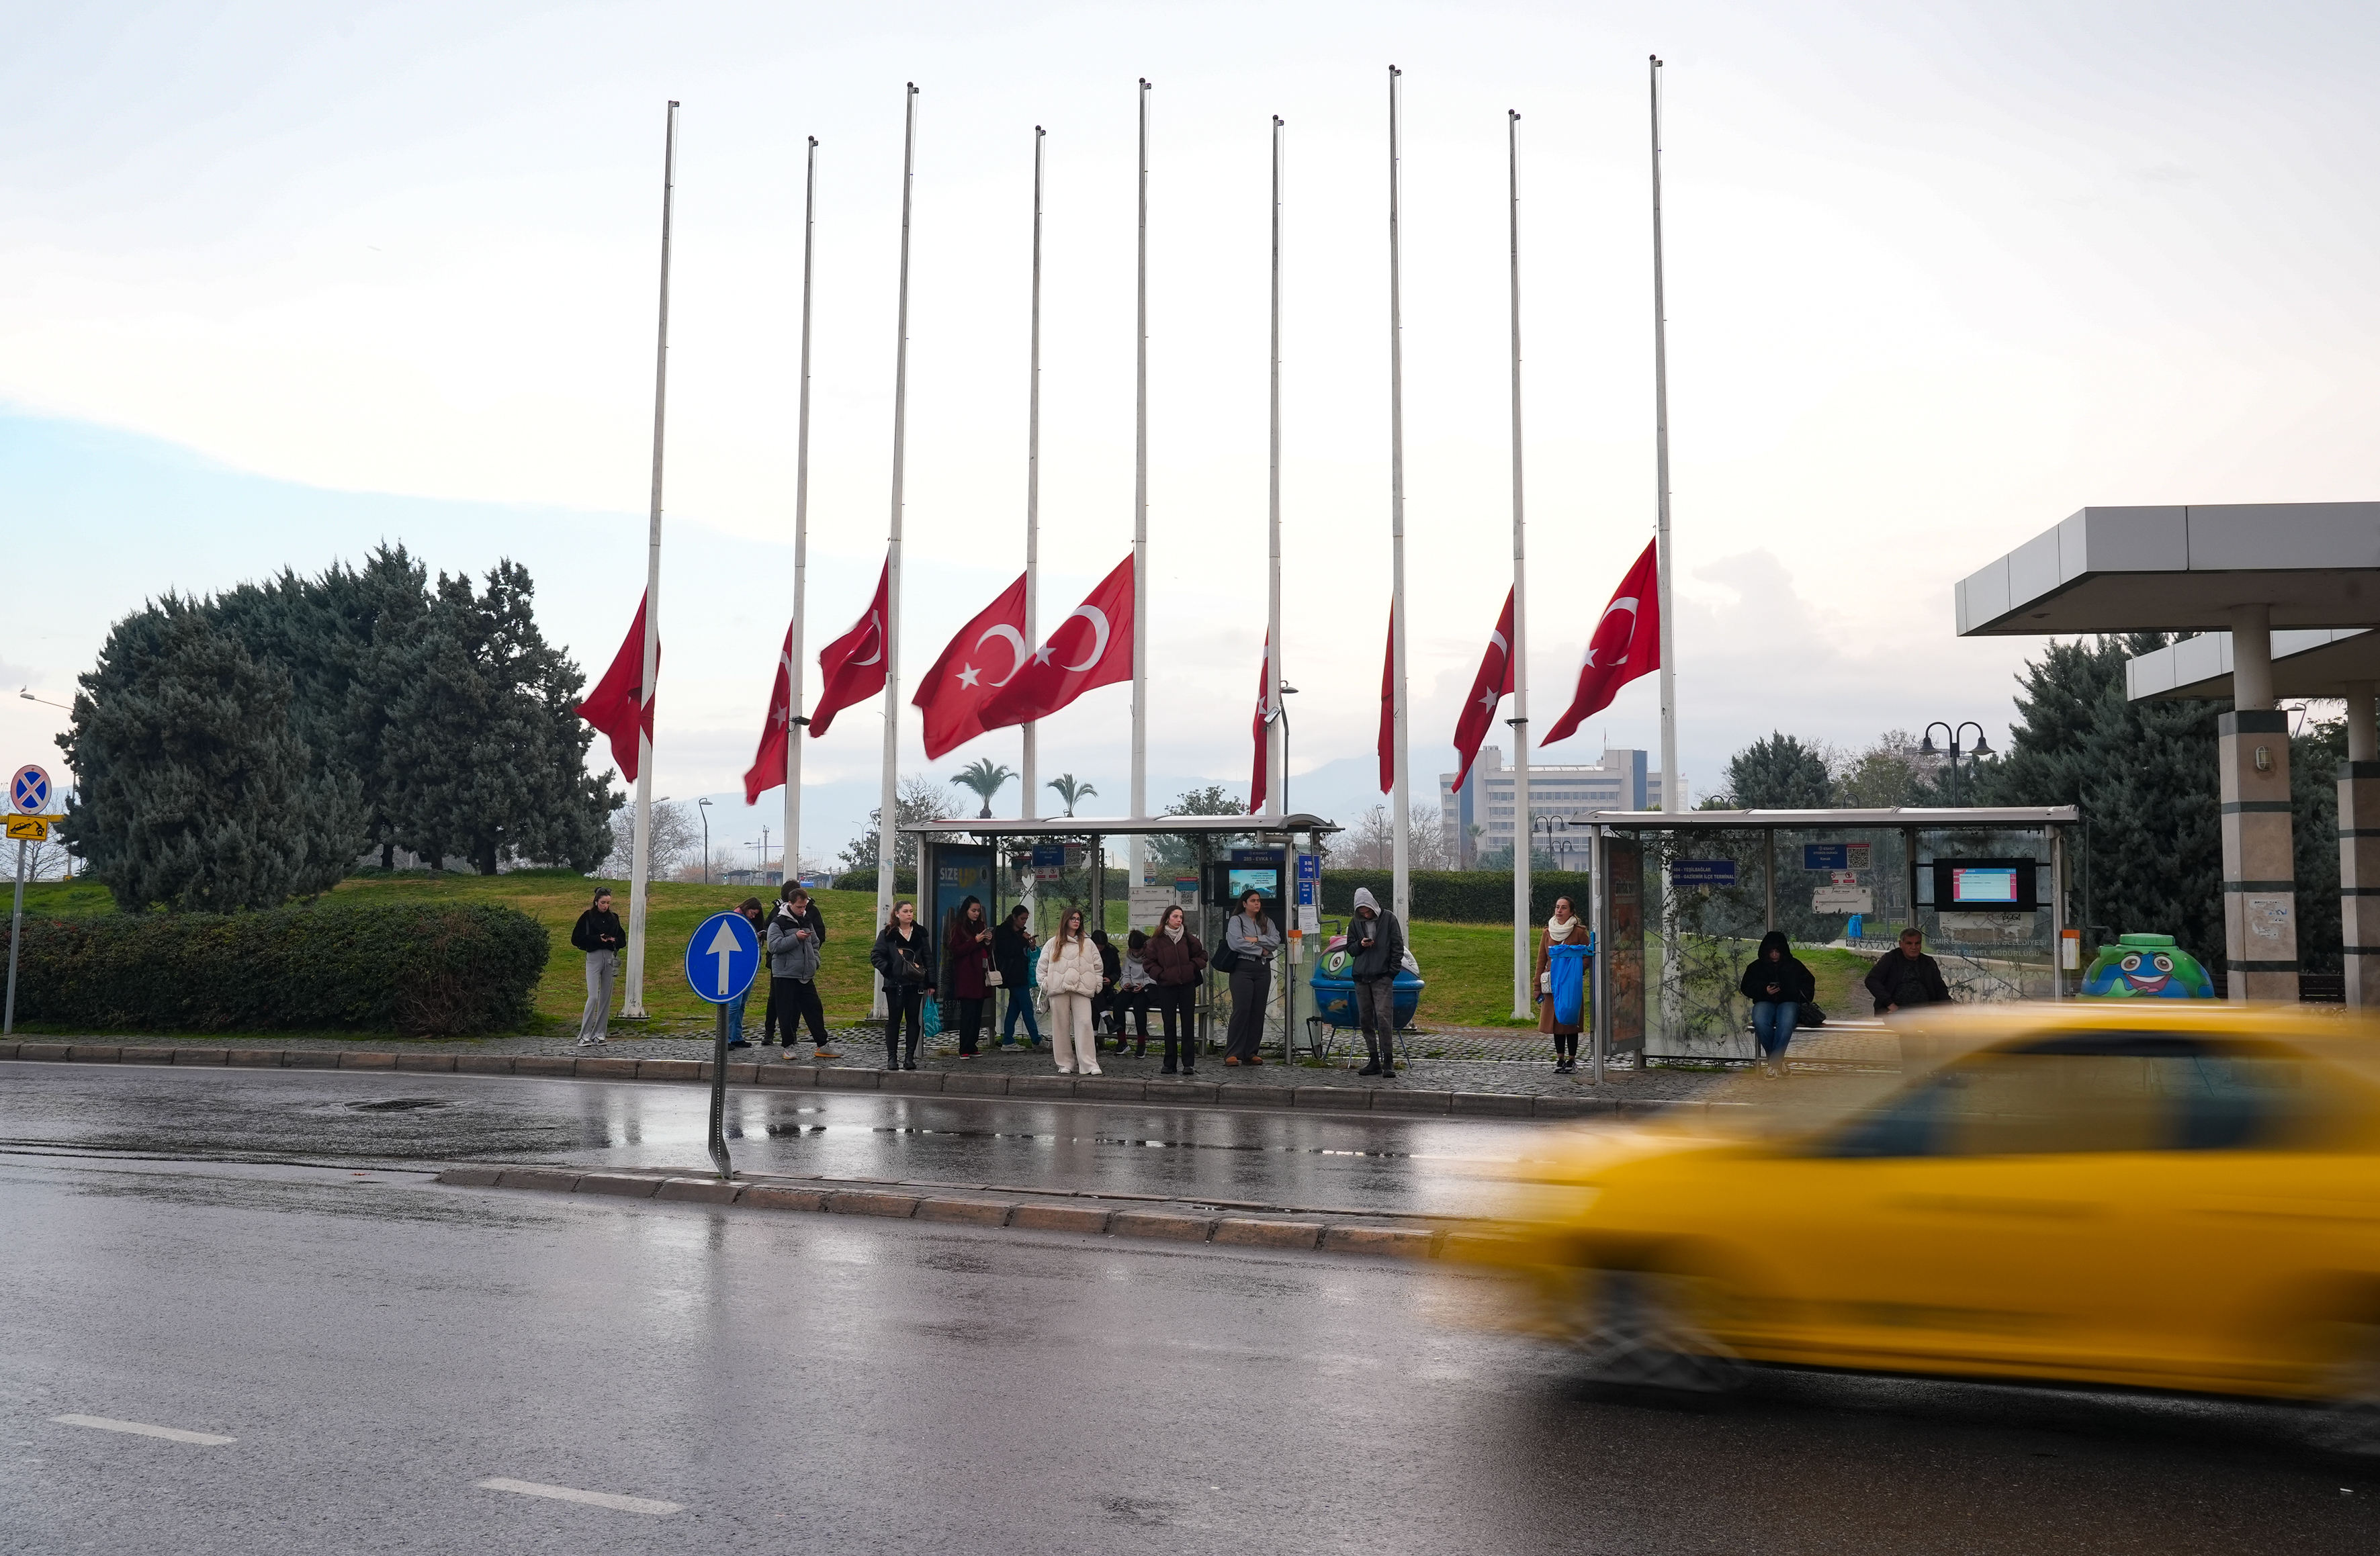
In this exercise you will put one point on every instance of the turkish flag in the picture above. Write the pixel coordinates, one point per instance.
(768, 769)
(1257, 789)
(974, 667)
(1491, 686)
(611, 706)
(1626, 643)
(1389, 709)
(853, 663)
(1092, 648)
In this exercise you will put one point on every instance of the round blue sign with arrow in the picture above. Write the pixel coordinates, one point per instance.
(722, 958)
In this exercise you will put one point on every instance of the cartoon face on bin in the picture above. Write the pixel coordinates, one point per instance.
(2146, 967)
(1334, 963)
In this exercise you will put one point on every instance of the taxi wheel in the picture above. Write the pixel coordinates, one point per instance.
(1642, 1331)
(2351, 1423)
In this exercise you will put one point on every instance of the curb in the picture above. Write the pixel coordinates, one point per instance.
(844, 1078)
(1070, 1215)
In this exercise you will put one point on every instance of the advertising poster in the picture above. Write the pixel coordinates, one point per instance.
(961, 871)
(1624, 956)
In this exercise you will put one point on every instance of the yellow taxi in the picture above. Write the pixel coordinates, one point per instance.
(2167, 1195)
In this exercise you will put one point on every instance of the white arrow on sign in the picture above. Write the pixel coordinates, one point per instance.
(723, 946)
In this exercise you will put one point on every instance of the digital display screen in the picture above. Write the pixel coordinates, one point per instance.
(1982, 885)
(1265, 880)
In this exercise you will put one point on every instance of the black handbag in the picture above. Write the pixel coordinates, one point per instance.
(1809, 1015)
(1223, 959)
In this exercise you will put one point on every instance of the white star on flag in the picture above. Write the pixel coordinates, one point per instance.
(968, 676)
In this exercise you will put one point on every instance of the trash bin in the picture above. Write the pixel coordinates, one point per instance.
(1334, 991)
(1568, 975)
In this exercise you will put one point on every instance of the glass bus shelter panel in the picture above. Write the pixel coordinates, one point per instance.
(1987, 954)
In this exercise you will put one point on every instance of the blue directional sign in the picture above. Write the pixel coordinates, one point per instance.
(722, 958)
(1702, 872)
(1826, 856)
(30, 790)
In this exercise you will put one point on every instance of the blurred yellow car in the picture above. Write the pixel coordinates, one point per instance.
(2144, 1194)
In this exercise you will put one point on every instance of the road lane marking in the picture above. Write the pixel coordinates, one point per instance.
(141, 1429)
(571, 1493)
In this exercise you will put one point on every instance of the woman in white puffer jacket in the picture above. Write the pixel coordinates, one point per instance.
(1071, 973)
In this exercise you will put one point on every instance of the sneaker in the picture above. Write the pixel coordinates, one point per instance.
(1169, 1071)
(1232, 1060)
(1255, 1058)
(740, 1042)
(826, 1054)
(1094, 1071)
(589, 1042)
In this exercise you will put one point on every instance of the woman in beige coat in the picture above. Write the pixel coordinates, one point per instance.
(1564, 928)
(1072, 973)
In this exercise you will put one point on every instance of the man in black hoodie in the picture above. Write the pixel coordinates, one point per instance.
(1777, 985)
(1376, 951)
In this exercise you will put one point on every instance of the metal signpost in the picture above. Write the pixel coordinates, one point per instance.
(722, 959)
(28, 791)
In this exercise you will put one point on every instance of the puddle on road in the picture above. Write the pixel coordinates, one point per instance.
(402, 1105)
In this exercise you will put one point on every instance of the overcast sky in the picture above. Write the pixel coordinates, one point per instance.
(280, 281)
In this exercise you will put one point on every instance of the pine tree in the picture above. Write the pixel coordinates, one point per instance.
(1778, 774)
(195, 791)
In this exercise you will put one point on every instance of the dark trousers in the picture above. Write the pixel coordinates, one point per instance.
(794, 1001)
(1173, 1001)
(1133, 1003)
(904, 1004)
(1251, 984)
(970, 1023)
(1375, 1011)
(1565, 1046)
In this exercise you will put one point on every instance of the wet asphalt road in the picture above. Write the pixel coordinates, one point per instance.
(377, 1345)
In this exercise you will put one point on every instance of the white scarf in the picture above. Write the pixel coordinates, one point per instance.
(1174, 932)
(1559, 930)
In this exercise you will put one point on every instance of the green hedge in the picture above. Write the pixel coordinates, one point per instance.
(422, 970)
(905, 882)
(1459, 896)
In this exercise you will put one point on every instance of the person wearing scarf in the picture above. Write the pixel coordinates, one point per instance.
(1560, 930)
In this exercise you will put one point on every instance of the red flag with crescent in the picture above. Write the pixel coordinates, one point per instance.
(853, 663)
(1257, 787)
(768, 769)
(1491, 686)
(1092, 648)
(1389, 708)
(979, 661)
(611, 706)
(1625, 644)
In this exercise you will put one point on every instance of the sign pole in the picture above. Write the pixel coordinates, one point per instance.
(16, 934)
(719, 1099)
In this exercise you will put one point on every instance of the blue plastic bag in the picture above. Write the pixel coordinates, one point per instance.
(1568, 974)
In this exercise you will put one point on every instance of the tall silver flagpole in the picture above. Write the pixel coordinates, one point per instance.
(1276, 770)
(1525, 962)
(641, 865)
(888, 798)
(1140, 623)
(1673, 792)
(1031, 806)
(795, 721)
(1401, 877)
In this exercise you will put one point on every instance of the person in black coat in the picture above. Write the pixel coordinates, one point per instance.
(598, 933)
(1778, 984)
(903, 957)
(1907, 976)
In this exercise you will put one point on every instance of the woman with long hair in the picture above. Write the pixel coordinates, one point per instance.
(966, 958)
(598, 933)
(1251, 937)
(1176, 964)
(903, 957)
(1072, 973)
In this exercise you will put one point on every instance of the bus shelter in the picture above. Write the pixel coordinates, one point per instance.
(1683, 899)
(1200, 863)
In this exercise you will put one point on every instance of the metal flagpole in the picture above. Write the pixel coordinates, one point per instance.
(889, 816)
(640, 864)
(1140, 623)
(1276, 764)
(1672, 791)
(795, 721)
(1525, 962)
(1401, 877)
(1031, 807)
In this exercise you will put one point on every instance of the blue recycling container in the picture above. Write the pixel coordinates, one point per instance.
(1568, 973)
(1334, 991)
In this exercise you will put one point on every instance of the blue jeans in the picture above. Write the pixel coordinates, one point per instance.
(1772, 1024)
(1020, 1001)
(735, 1016)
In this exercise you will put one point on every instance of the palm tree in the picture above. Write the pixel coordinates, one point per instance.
(985, 776)
(1070, 790)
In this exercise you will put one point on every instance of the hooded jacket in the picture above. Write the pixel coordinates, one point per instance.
(790, 958)
(1794, 982)
(1375, 945)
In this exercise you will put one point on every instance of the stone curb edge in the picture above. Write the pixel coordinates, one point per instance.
(836, 1078)
(1161, 1225)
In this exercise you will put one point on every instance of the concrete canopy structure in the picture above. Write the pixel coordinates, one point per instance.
(2234, 573)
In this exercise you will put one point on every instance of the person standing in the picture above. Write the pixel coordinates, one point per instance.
(796, 939)
(1176, 963)
(1103, 1007)
(1560, 930)
(1376, 949)
(1251, 939)
(966, 966)
(750, 910)
(1907, 976)
(1132, 992)
(598, 933)
(903, 957)
(1012, 954)
(1777, 984)
(1070, 975)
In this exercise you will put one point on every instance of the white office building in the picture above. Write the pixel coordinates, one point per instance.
(1480, 817)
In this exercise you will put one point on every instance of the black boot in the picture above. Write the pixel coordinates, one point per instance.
(1372, 1069)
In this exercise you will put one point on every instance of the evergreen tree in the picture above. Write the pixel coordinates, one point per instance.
(920, 799)
(195, 790)
(483, 756)
(1778, 774)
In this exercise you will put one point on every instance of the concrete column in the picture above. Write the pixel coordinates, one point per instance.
(2260, 930)
(2252, 657)
(2359, 848)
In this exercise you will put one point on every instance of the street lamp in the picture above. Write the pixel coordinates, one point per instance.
(1550, 824)
(703, 806)
(1282, 714)
(1926, 748)
(25, 693)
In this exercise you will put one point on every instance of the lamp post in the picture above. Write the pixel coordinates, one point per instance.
(1981, 748)
(1281, 711)
(1551, 825)
(703, 807)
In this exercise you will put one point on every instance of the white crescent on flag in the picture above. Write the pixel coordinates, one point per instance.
(1627, 603)
(1016, 646)
(1099, 620)
(876, 624)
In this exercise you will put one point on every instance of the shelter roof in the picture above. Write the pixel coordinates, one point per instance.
(1930, 818)
(2172, 569)
(2305, 664)
(1119, 825)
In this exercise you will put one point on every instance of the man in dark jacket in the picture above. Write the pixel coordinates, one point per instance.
(1907, 977)
(1376, 952)
(1011, 956)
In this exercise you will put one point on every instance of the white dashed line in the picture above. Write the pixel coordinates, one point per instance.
(571, 1493)
(141, 1429)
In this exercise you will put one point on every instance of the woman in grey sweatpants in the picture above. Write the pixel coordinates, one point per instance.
(598, 933)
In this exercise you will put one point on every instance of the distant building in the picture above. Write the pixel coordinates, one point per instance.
(752, 877)
(1485, 801)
